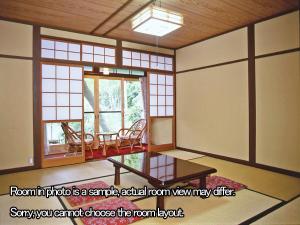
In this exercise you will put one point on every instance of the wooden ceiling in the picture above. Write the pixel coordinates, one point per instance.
(111, 18)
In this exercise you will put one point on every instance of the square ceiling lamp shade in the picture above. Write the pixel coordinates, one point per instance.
(156, 21)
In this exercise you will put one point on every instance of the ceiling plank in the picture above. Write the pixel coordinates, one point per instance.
(111, 16)
(128, 17)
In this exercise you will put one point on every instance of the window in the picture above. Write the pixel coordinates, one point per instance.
(147, 60)
(61, 92)
(98, 54)
(60, 50)
(161, 95)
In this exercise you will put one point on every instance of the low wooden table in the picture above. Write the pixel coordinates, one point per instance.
(161, 171)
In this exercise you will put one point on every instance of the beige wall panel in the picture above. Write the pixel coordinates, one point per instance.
(224, 48)
(15, 39)
(212, 110)
(16, 120)
(147, 48)
(280, 33)
(278, 111)
(77, 36)
(161, 132)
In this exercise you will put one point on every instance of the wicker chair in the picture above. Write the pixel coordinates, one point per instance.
(74, 139)
(132, 136)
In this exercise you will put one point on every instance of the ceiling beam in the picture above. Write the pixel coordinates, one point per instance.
(111, 16)
(128, 17)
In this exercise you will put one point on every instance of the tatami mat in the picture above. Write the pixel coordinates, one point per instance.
(182, 154)
(30, 203)
(212, 211)
(278, 185)
(57, 175)
(288, 214)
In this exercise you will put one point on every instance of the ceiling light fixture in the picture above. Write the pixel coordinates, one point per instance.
(156, 21)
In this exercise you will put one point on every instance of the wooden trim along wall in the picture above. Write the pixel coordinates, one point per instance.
(252, 101)
(251, 94)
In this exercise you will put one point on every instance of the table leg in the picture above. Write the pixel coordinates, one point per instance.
(202, 184)
(117, 175)
(160, 202)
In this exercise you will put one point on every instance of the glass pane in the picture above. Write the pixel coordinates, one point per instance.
(168, 67)
(62, 72)
(89, 95)
(161, 79)
(136, 55)
(126, 54)
(161, 111)
(47, 53)
(59, 145)
(76, 73)
(110, 95)
(169, 111)
(145, 64)
(74, 47)
(161, 90)
(62, 85)
(169, 90)
(89, 123)
(49, 113)
(153, 78)
(48, 71)
(74, 56)
(76, 113)
(48, 44)
(153, 89)
(168, 60)
(75, 100)
(63, 99)
(99, 50)
(153, 110)
(110, 122)
(61, 55)
(153, 58)
(75, 86)
(153, 65)
(109, 60)
(61, 46)
(169, 80)
(161, 59)
(110, 51)
(134, 104)
(99, 58)
(48, 99)
(153, 100)
(48, 85)
(126, 62)
(169, 100)
(87, 48)
(160, 66)
(145, 57)
(62, 113)
(161, 100)
(136, 63)
(87, 57)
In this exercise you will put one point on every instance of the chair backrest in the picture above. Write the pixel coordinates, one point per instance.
(71, 136)
(139, 127)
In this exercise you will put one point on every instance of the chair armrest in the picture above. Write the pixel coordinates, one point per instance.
(89, 135)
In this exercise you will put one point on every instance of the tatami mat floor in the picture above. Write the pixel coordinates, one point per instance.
(266, 190)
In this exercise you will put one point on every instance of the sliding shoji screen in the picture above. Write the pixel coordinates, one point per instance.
(161, 88)
(62, 92)
(98, 54)
(147, 60)
(53, 49)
